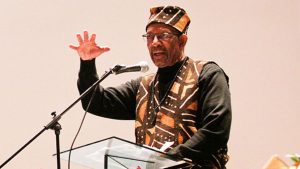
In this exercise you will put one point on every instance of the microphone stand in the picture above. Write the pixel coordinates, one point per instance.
(54, 125)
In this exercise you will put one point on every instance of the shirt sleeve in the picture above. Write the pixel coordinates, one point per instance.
(214, 118)
(112, 102)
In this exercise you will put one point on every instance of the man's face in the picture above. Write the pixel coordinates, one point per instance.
(164, 44)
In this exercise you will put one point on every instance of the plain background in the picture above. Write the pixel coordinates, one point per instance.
(256, 42)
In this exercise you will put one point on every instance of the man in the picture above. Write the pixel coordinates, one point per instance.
(186, 102)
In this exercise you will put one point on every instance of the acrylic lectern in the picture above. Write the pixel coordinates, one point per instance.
(117, 153)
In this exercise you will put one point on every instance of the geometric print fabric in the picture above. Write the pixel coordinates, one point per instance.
(174, 118)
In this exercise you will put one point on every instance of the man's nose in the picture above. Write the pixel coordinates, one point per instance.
(155, 40)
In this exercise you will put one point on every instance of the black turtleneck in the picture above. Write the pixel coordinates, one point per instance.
(166, 76)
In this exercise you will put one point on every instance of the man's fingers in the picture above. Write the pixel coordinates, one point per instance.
(73, 47)
(79, 38)
(85, 36)
(93, 37)
(105, 48)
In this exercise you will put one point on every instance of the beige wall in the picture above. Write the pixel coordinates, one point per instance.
(256, 42)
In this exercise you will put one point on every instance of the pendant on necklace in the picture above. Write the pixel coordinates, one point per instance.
(156, 109)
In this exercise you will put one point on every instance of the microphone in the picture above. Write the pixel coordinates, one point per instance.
(140, 67)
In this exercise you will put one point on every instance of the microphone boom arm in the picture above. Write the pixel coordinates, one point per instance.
(55, 119)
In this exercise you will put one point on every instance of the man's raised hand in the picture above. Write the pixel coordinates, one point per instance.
(88, 49)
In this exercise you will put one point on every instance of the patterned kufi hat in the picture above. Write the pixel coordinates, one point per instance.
(173, 16)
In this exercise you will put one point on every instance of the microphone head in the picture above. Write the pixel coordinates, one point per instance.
(144, 66)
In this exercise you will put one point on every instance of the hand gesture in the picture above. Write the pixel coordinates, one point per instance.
(88, 49)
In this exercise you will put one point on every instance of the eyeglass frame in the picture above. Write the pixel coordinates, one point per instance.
(160, 36)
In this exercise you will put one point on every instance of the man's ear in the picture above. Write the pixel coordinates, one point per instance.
(182, 40)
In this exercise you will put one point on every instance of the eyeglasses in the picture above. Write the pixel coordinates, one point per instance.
(160, 36)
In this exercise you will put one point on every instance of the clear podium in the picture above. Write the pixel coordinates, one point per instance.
(117, 153)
